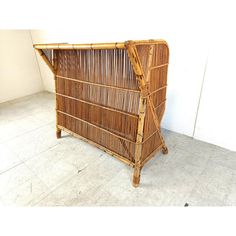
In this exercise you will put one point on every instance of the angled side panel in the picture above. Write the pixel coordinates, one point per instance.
(156, 84)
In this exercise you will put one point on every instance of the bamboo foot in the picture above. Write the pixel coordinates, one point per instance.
(58, 133)
(136, 181)
(164, 150)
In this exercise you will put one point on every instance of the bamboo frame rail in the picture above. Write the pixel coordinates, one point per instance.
(112, 95)
(105, 130)
(104, 107)
(97, 84)
(80, 46)
(159, 66)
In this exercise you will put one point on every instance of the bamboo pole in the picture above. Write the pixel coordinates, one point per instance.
(81, 46)
(97, 105)
(150, 42)
(95, 126)
(126, 149)
(139, 140)
(98, 84)
(159, 66)
(157, 124)
(58, 130)
(120, 45)
(146, 139)
(133, 55)
(160, 104)
(134, 60)
(157, 90)
(49, 64)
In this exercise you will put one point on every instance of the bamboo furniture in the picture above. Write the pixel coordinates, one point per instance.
(112, 95)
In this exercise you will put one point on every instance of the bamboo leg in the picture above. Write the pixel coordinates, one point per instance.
(138, 149)
(54, 66)
(58, 130)
(58, 133)
(136, 176)
(164, 149)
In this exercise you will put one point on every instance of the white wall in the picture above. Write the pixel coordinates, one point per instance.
(19, 72)
(216, 121)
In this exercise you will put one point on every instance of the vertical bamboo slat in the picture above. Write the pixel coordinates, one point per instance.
(112, 95)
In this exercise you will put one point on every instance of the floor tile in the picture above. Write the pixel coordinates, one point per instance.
(44, 114)
(10, 130)
(119, 192)
(8, 159)
(26, 193)
(13, 178)
(227, 159)
(198, 199)
(230, 198)
(88, 179)
(184, 157)
(33, 143)
(51, 172)
(50, 201)
(215, 181)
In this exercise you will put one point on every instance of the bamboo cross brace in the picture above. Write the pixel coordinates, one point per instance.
(126, 149)
(155, 118)
(49, 64)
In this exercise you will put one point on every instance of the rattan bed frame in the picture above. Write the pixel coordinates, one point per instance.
(112, 95)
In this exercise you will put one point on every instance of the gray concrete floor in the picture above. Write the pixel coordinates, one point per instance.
(36, 169)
